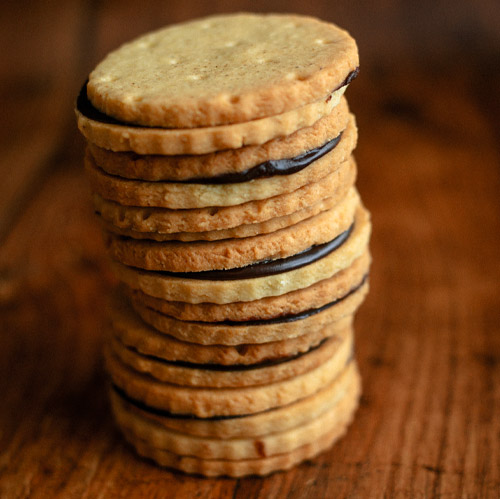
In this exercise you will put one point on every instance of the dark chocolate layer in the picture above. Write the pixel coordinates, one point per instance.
(348, 79)
(228, 368)
(267, 267)
(286, 166)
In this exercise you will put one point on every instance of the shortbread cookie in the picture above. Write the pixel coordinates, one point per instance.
(110, 134)
(335, 185)
(223, 467)
(250, 425)
(188, 196)
(194, 289)
(247, 230)
(258, 331)
(281, 442)
(223, 69)
(209, 402)
(224, 376)
(231, 253)
(136, 334)
(317, 295)
(244, 161)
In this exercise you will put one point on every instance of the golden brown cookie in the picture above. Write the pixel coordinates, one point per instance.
(179, 287)
(231, 253)
(247, 230)
(179, 168)
(137, 335)
(209, 402)
(108, 134)
(250, 425)
(259, 331)
(162, 220)
(223, 69)
(207, 376)
(278, 443)
(223, 467)
(188, 196)
(314, 296)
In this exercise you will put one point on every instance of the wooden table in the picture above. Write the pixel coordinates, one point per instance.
(428, 336)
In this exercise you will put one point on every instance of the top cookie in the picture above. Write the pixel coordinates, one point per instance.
(223, 69)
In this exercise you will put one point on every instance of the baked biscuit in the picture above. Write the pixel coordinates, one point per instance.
(209, 402)
(226, 254)
(223, 69)
(249, 425)
(229, 161)
(317, 295)
(218, 376)
(137, 335)
(147, 219)
(198, 287)
(278, 443)
(116, 136)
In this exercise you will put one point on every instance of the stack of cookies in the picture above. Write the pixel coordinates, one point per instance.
(220, 158)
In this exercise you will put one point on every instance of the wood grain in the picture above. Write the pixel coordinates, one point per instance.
(428, 336)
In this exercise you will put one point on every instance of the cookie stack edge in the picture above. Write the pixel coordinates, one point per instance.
(226, 190)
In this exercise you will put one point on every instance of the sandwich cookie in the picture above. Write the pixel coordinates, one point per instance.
(280, 154)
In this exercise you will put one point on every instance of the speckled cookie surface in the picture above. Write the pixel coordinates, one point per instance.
(231, 253)
(144, 140)
(335, 185)
(245, 230)
(222, 69)
(176, 168)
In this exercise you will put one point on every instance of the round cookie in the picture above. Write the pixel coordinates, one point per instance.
(192, 290)
(109, 134)
(229, 376)
(135, 334)
(207, 333)
(223, 69)
(209, 402)
(314, 296)
(188, 167)
(335, 185)
(281, 442)
(250, 425)
(231, 253)
(247, 230)
(188, 196)
(224, 467)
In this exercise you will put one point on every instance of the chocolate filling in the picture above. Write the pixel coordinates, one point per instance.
(267, 267)
(229, 368)
(270, 168)
(348, 78)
